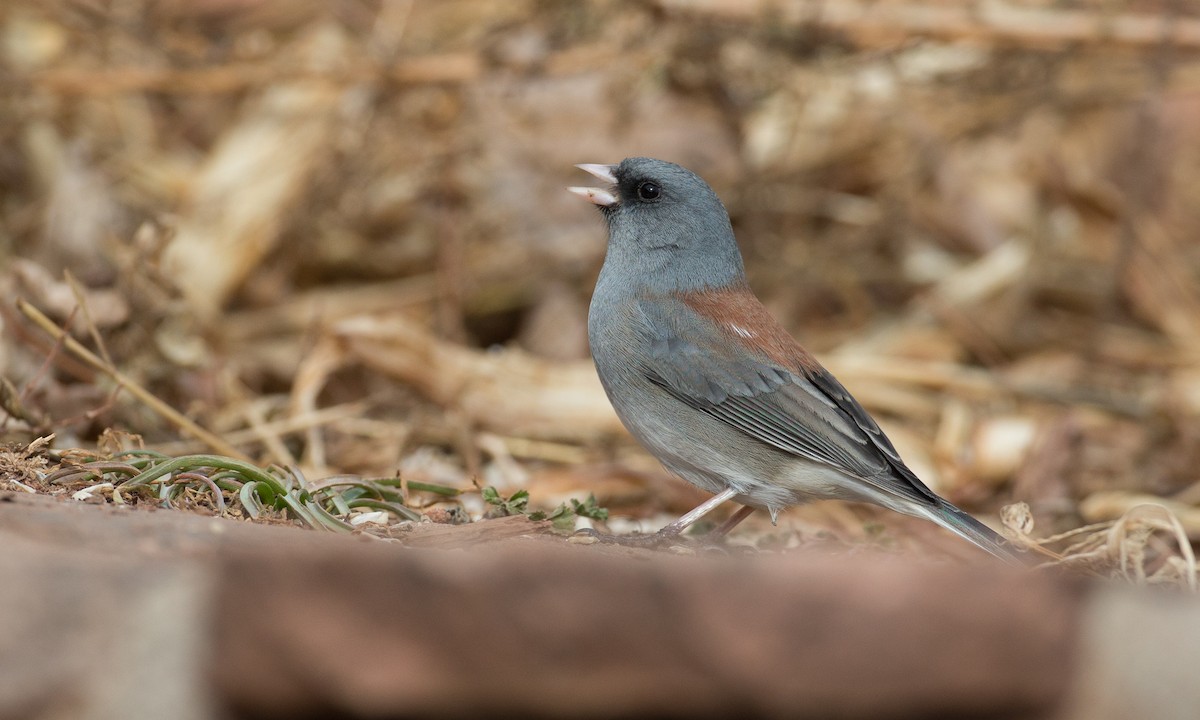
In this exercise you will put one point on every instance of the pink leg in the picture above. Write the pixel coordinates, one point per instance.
(700, 511)
(743, 512)
(672, 531)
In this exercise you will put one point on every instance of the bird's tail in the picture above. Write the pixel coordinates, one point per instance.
(963, 525)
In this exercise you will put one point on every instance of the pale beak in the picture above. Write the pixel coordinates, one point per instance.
(598, 196)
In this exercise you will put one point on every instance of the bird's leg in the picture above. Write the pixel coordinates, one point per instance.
(698, 512)
(743, 512)
(670, 532)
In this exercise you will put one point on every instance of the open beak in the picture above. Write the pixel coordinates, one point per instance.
(604, 197)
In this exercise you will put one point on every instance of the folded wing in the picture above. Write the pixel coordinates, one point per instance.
(738, 365)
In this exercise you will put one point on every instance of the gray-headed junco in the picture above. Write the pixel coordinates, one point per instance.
(705, 378)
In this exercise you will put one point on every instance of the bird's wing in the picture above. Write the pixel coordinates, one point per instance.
(741, 367)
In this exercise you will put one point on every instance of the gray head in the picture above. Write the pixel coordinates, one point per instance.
(667, 229)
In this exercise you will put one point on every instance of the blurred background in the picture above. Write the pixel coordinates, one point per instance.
(335, 233)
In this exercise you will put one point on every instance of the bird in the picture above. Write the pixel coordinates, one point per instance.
(711, 384)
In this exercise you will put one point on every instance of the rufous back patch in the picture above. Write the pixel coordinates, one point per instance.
(740, 315)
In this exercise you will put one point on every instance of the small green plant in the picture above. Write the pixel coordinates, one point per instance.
(562, 518)
(228, 484)
(515, 504)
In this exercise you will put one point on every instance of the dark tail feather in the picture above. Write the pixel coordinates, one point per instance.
(971, 529)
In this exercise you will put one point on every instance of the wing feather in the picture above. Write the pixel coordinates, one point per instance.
(799, 410)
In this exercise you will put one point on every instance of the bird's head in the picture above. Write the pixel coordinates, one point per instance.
(666, 226)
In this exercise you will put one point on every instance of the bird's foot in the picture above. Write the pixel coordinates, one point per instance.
(654, 541)
(669, 538)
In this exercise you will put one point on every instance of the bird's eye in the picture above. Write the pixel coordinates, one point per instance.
(649, 191)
